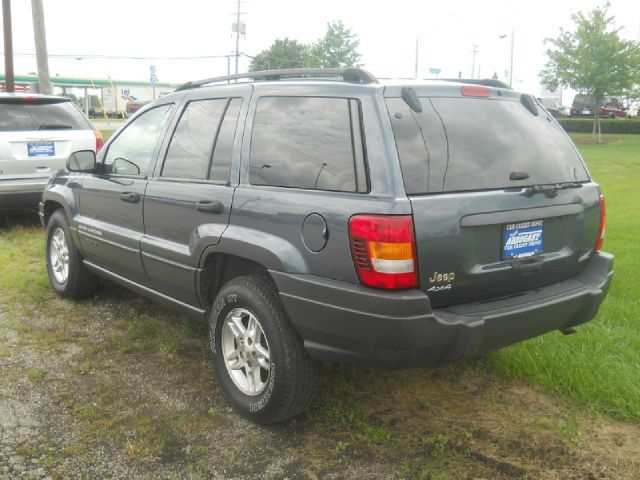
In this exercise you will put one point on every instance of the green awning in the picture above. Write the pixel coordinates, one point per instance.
(87, 82)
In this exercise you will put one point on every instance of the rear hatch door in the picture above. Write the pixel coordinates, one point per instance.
(502, 202)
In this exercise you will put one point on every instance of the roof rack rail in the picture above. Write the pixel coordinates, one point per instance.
(351, 75)
(487, 82)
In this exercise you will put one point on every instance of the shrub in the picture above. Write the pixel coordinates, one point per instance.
(585, 125)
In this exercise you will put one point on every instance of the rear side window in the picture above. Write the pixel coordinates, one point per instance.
(459, 144)
(308, 142)
(41, 116)
(202, 143)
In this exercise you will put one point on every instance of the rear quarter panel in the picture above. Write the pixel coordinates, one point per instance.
(273, 217)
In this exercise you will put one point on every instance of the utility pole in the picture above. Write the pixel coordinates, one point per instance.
(40, 35)
(473, 59)
(9, 82)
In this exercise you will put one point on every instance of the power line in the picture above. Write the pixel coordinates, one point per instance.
(128, 57)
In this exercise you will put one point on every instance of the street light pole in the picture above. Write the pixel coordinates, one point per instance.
(417, 56)
(510, 56)
(511, 60)
(473, 59)
(9, 82)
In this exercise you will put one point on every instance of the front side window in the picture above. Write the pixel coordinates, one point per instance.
(221, 161)
(130, 153)
(307, 142)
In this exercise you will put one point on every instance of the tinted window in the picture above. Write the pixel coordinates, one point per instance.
(221, 163)
(304, 142)
(190, 150)
(130, 153)
(475, 144)
(38, 116)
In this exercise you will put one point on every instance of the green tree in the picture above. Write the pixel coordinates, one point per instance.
(338, 48)
(285, 53)
(592, 59)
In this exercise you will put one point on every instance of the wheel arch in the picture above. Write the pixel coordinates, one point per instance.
(244, 251)
(50, 206)
(219, 268)
(58, 198)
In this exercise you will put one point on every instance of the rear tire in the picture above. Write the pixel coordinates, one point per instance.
(259, 359)
(68, 276)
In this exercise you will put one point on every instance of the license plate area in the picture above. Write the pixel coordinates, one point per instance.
(523, 239)
(41, 149)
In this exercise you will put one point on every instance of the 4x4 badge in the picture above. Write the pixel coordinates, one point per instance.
(439, 288)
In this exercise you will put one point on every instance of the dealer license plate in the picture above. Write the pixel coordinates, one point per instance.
(41, 149)
(522, 239)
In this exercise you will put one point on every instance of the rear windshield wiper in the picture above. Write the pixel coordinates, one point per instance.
(54, 126)
(550, 190)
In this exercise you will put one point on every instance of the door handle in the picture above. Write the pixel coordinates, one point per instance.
(209, 206)
(131, 197)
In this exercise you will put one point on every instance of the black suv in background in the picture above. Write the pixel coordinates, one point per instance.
(585, 106)
(319, 215)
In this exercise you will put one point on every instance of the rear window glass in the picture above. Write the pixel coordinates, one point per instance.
(459, 144)
(41, 116)
(582, 101)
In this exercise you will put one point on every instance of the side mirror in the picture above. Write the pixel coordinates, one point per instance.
(82, 161)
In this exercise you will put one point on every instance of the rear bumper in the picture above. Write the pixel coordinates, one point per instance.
(341, 322)
(20, 200)
(21, 193)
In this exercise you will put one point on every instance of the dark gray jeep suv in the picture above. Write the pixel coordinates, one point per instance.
(319, 215)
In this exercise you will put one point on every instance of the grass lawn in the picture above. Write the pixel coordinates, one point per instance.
(106, 134)
(599, 367)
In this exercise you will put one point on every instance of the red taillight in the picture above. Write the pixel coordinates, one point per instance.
(475, 91)
(383, 249)
(99, 140)
(603, 225)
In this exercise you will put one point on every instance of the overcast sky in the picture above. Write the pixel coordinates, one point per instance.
(446, 31)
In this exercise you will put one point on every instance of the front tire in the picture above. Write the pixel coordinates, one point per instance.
(259, 359)
(68, 276)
